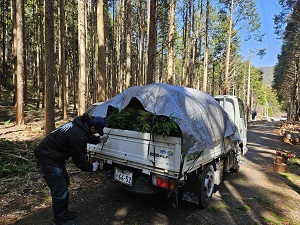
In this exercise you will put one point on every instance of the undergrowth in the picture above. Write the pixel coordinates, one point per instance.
(16, 159)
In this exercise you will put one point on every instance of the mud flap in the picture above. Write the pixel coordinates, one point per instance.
(192, 187)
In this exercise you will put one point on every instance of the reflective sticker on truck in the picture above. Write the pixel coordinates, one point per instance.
(159, 155)
(162, 154)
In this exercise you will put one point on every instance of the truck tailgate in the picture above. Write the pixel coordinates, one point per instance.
(140, 150)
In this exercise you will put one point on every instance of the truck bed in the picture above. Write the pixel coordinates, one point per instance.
(140, 150)
(153, 154)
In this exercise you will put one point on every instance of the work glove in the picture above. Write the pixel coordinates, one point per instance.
(103, 139)
(95, 165)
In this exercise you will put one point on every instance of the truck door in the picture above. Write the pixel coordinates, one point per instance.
(242, 124)
(235, 110)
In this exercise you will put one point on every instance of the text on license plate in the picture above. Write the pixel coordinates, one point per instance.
(123, 176)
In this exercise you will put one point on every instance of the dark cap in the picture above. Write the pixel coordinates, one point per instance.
(99, 123)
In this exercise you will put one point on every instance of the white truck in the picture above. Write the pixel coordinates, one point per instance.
(211, 142)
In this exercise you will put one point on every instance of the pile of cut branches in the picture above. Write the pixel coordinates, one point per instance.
(143, 121)
(15, 158)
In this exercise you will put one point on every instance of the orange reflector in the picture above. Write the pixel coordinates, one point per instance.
(172, 185)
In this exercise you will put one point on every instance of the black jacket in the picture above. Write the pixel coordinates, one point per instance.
(67, 141)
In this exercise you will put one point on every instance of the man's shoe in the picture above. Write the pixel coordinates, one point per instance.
(71, 215)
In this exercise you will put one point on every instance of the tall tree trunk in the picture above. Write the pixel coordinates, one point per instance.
(101, 51)
(113, 58)
(128, 44)
(213, 80)
(192, 48)
(205, 64)
(4, 11)
(14, 47)
(199, 31)
(171, 77)
(74, 61)
(20, 61)
(151, 67)
(296, 90)
(50, 69)
(188, 76)
(61, 56)
(25, 88)
(226, 83)
(37, 74)
(82, 93)
(4, 7)
(38, 52)
(41, 62)
(186, 42)
(119, 47)
(140, 79)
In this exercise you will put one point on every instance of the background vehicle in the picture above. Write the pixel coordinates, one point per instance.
(190, 165)
(283, 118)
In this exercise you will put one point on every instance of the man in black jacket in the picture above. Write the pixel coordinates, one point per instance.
(51, 154)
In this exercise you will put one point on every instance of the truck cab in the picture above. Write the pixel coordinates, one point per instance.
(235, 109)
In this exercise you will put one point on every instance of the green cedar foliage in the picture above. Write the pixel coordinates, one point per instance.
(143, 121)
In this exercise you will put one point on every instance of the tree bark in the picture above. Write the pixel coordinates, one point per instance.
(14, 47)
(61, 56)
(128, 44)
(171, 78)
(226, 83)
(74, 61)
(140, 79)
(151, 67)
(204, 83)
(49, 68)
(82, 89)
(4, 46)
(41, 67)
(20, 61)
(199, 31)
(101, 52)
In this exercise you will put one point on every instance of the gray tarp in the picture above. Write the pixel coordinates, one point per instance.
(202, 120)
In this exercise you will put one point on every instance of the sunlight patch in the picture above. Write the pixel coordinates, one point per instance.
(121, 212)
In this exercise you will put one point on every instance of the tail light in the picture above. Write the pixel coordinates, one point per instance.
(163, 182)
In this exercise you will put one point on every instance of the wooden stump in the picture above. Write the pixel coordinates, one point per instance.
(279, 167)
(278, 160)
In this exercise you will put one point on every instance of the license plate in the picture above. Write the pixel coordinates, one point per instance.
(123, 176)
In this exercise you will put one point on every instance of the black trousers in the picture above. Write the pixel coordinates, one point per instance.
(57, 180)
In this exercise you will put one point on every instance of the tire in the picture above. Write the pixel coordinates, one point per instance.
(207, 186)
(237, 161)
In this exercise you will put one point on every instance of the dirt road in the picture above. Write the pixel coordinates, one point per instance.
(255, 195)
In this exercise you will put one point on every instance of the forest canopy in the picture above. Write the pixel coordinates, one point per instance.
(62, 54)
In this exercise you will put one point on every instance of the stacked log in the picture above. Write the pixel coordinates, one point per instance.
(290, 132)
(293, 138)
(287, 138)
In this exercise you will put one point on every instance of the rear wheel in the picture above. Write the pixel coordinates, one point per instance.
(207, 186)
(237, 161)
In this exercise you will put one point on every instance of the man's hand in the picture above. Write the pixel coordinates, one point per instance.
(95, 165)
(103, 139)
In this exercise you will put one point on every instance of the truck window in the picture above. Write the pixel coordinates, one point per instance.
(242, 111)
